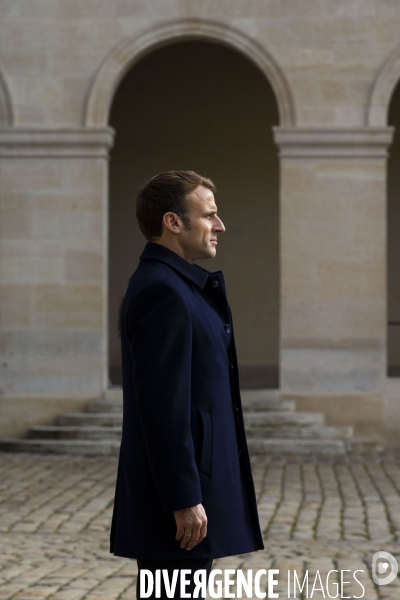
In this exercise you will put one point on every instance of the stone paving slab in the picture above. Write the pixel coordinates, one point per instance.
(319, 516)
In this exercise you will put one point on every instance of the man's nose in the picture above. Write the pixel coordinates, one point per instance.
(219, 226)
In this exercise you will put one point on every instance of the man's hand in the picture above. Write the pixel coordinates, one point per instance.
(191, 526)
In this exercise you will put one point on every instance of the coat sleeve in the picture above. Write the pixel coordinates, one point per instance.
(160, 333)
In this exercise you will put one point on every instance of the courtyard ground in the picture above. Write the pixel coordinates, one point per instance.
(316, 515)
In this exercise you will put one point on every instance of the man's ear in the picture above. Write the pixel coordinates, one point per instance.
(172, 222)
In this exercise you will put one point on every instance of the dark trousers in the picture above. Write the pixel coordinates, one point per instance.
(190, 563)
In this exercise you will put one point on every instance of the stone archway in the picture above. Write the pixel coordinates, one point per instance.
(196, 104)
(383, 111)
(130, 50)
(382, 90)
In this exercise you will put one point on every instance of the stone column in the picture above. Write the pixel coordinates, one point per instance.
(53, 236)
(333, 270)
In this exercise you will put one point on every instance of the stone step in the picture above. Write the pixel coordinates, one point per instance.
(295, 447)
(251, 419)
(320, 432)
(57, 432)
(98, 419)
(78, 447)
(306, 447)
(115, 393)
(268, 404)
(259, 395)
(279, 418)
(114, 432)
(249, 404)
(105, 406)
(365, 445)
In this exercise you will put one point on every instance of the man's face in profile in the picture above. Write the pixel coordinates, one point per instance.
(199, 240)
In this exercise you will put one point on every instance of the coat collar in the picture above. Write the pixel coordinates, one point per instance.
(194, 273)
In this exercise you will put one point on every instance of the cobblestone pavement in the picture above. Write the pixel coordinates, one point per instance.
(316, 515)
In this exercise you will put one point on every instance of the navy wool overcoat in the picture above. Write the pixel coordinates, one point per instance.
(183, 440)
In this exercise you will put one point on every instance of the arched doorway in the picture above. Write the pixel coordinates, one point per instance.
(393, 248)
(203, 106)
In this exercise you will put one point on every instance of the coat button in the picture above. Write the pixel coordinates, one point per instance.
(215, 284)
(227, 328)
(231, 367)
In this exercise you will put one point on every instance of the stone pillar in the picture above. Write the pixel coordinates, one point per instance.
(53, 236)
(333, 270)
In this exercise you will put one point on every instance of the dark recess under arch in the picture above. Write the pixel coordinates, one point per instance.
(200, 105)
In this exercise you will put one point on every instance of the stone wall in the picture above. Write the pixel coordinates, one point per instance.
(332, 67)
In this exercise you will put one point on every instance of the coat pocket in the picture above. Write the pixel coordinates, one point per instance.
(206, 448)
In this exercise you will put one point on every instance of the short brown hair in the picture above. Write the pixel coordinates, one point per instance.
(166, 192)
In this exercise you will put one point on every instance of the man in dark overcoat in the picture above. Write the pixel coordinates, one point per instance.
(184, 492)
